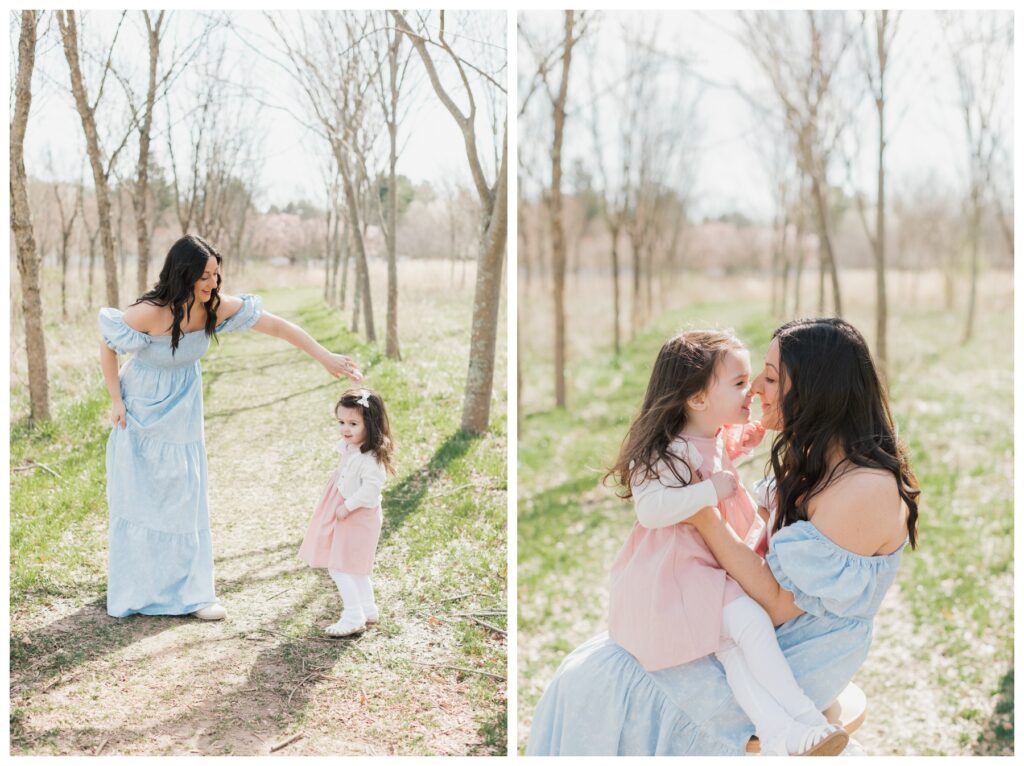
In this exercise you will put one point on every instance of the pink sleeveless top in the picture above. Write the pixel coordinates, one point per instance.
(667, 589)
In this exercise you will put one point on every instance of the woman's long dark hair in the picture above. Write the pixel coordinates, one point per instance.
(375, 419)
(835, 400)
(684, 368)
(184, 265)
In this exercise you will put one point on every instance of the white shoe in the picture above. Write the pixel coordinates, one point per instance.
(829, 739)
(211, 612)
(348, 625)
(372, 616)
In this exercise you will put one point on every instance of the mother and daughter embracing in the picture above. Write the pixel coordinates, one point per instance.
(730, 617)
(160, 549)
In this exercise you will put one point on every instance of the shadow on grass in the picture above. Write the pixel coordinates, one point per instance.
(41, 659)
(246, 718)
(997, 738)
(248, 408)
(406, 497)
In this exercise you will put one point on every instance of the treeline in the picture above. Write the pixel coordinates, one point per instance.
(611, 122)
(171, 113)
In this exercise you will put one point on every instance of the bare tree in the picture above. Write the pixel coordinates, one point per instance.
(336, 89)
(979, 44)
(139, 197)
(802, 80)
(494, 224)
(877, 40)
(67, 228)
(21, 224)
(87, 112)
(388, 97)
(573, 28)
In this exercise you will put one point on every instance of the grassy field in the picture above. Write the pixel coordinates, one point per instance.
(430, 679)
(939, 678)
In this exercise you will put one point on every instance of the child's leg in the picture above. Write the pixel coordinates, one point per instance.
(770, 721)
(779, 733)
(748, 625)
(353, 608)
(365, 586)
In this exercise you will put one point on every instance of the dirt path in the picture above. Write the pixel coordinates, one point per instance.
(266, 674)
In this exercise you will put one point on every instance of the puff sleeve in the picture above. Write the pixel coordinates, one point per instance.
(118, 336)
(826, 579)
(245, 317)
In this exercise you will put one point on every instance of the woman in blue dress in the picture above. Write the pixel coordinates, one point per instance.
(161, 557)
(844, 504)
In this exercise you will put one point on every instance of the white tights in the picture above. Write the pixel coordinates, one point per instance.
(759, 674)
(356, 593)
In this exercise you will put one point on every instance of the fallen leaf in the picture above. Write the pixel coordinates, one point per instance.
(433, 620)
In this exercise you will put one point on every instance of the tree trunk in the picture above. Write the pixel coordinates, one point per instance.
(881, 302)
(828, 260)
(973, 233)
(391, 333)
(92, 265)
(328, 261)
(346, 243)
(635, 305)
(557, 225)
(476, 407)
(617, 308)
(142, 176)
(21, 225)
(69, 33)
(362, 266)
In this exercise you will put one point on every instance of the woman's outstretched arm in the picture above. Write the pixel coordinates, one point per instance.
(336, 364)
(744, 566)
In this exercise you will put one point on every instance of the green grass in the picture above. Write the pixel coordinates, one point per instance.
(952, 404)
(269, 437)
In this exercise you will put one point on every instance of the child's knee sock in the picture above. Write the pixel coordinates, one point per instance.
(770, 721)
(365, 586)
(746, 623)
(349, 593)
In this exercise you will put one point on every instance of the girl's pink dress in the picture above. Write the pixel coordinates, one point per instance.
(667, 589)
(347, 545)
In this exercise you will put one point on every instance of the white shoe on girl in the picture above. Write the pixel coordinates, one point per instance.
(349, 624)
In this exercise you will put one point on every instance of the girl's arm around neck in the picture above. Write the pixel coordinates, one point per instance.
(745, 567)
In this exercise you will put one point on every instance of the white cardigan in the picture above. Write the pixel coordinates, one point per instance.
(361, 478)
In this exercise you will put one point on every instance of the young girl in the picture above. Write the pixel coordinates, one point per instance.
(670, 602)
(345, 528)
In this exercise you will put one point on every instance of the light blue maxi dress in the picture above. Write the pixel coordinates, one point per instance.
(161, 557)
(602, 702)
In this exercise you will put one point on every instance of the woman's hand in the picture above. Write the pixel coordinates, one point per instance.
(118, 414)
(339, 364)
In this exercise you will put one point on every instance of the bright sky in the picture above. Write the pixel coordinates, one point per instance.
(924, 122)
(291, 156)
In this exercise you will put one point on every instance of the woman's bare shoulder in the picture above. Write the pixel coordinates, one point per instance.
(228, 307)
(145, 317)
(861, 511)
